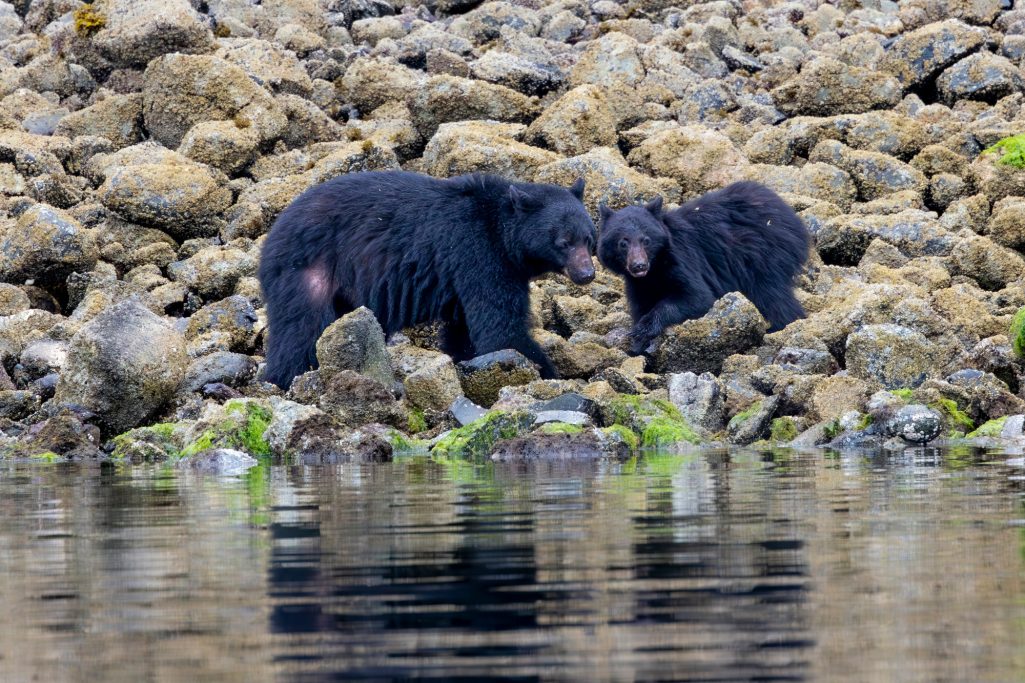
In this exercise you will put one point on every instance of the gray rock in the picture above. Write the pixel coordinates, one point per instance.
(213, 272)
(733, 325)
(916, 424)
(44, 356)
(466, 411)
(222, 461)
(917, 56)
(519, 73)
(753, 423)
(570, 417)
(233, 369)
(982, 76)
(225, 325)
(806, 361)
(699, 398)
(483, 376)
(573, 402)
(137, 31)
(897, 357)
(45, 244)
(827, 87)
(356, 342)
(123, 365)
(353, 400)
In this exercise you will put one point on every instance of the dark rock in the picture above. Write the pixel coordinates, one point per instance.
(574, 402)
(916, 424)
(483, 376)
(753, 423)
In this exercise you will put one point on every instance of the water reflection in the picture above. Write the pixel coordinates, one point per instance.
(711, 566)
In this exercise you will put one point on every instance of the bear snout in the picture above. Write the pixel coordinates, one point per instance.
(637, 261)
(580, 267)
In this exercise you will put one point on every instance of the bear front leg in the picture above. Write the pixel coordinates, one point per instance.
(665, 313)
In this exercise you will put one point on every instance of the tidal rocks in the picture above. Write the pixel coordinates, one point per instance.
(356, 342)
(123, 365)
(135, 31)
(894, 356)
(45, 244)
(915, 424)
(732, 325)
(483, 376)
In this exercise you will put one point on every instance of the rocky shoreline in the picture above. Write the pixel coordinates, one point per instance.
(146, 146)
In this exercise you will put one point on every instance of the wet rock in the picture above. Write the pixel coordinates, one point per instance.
(731, 326)
(219, 367)
(981, 76)
(837, 395)
(479, 438)
(45, 244)
(827, 87)
(444, 99)
(183, 90)
(556, 447)
(221, 461)
(136, 31)
(485, 147)
(466, 411)
(65, 435)
(350, 398)
(213, 272)
(699, 398)
(572, 402)
(918, 56)
(572, 418)
(752, 424)
(915, 424)
(894, 356)
(356, 342)
(19, 330)
(483, 376)
(123, 365)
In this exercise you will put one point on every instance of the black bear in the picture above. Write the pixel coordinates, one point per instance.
(743, 238)
(415, 249)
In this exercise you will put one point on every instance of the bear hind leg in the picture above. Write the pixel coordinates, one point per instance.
(299, 309)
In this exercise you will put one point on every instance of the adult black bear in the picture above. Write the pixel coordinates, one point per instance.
(416, 249)
(743, 238)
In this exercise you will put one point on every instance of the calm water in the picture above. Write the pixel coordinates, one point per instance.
(707, 567)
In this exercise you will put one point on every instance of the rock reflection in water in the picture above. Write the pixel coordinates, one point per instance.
(712, 566)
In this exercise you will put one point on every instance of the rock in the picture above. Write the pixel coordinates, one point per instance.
(991, 265)
(817, 180)
(572, 402)
(981, 76)
(576, 122)
(45, 244)
(835, 396)
(356, 342)
(175, 195)
(845, 239)
(483, 376)
(894, 356)
(530, 77)
(123, 365)
(370, 83)
(268, 64)
(12, 300)
(731, 326)
(918, 56)
(433, 383)
(1007, 223)
(444, 99)
(753, 423)
(136, 31)
(212, 272)
(828, 87)
(874, 174)
(482, 147)
(572, 418)
(466, 411)
(225, 462)
(183, 90)
(65, 434)
(915, 424)
(613, 60)
(699, 398)
(558, 447)
(700, 159)
(221, 144)
(485, 23)
(44, 356)
(232, 369)
(117, 118)
(350, 398)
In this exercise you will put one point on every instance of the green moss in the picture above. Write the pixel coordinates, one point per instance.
(403, 444)
(1017, 333)
(46, 456)
(88, 21)
(782, 429)
(904, 394)
(833, 430)
(479, 436)
(561, 428)
(155, 442)
(991, 428)
(625, 434)
(665, 431)
(204, 442)
(958, 419)
(745, 415)
(1012, 150)
(222, 31)
(863, 423)
(417, 422)
(250, 435)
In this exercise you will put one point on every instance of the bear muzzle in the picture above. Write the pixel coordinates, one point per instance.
(637, 262)
(579, 266)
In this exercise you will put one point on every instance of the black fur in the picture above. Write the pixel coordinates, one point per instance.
(743, 238)
(415, 249)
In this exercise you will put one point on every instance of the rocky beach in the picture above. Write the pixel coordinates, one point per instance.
(147, 146)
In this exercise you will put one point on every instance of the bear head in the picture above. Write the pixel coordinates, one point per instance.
(632, 238)
(556, 232)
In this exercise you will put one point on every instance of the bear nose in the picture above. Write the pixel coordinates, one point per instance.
(580, 267)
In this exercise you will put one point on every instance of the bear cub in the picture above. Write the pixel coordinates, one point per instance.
(415, 249)
(743, 238)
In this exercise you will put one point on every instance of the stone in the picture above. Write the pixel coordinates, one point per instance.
(991, 265)
(699, 398)
(353, 400)
(915, 424)
(482, 147)
(698, 158)
(837, 395)
(576, 122)
(981, 76)
(137, 31)
(221, 144)
(919, 55)
(445, 99)
(225, 462)
(572, 402)
(225, 325)
(752, 424)
(117, 118)
(268, 64)
(46, 244)
(1007, 223)
(815, 180)
(733, 325)
(466, 411)
(213, 272)
(827, 87)
(568, 417)
(483, 376)
(369, 83)
(232, 369)
(123, 365)
(610, 61)
(528, 76)
(12, 300)
(874, 174)
(895, 356)
(356, 342)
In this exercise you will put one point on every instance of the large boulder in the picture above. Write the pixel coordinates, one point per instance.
(180, 91)
(982, 76)
(45, 244)
(117, 118)
(123, 365)
(356, 342)
(920, 55)
(733, 325)
(483, 147)
(827, 87)
(895, 356)
(443, 99)
(136, 31)
(699, 158)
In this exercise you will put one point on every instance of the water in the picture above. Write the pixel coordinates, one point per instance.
(707, 567)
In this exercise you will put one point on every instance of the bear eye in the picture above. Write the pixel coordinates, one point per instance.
(645, 241)
(561, 243)
(624, 243)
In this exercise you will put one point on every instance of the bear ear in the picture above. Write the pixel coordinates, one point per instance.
(520, 199)
(604, 211)
(578, 189)
(655, 206)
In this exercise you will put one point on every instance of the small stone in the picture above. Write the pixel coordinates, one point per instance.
(916, 424)
(356, 342)
(466, 411)
(699, 398)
